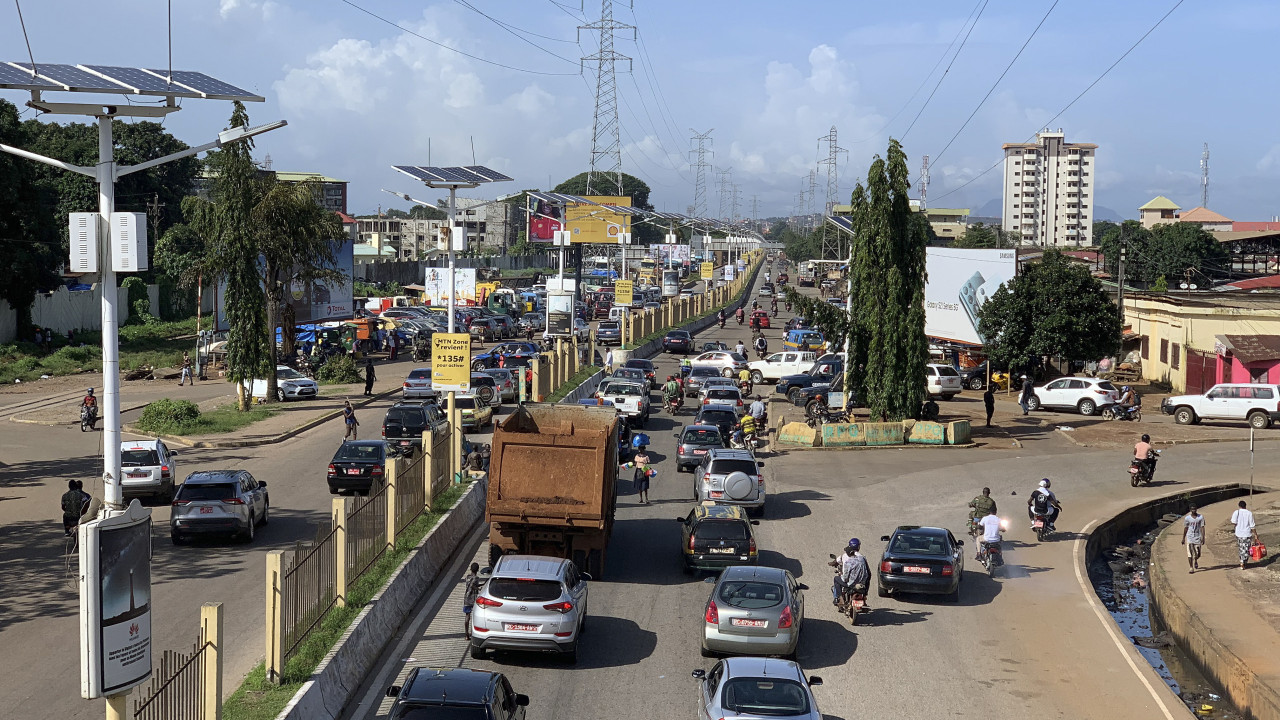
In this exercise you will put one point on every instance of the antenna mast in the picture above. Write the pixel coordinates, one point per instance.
(1204, 177)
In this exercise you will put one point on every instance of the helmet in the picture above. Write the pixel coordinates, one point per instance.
(1044, 483)
(1125, 388)
(1146, 437)
(855, 543)
(90, 391)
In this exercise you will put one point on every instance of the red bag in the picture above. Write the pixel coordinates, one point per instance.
(1257, 551)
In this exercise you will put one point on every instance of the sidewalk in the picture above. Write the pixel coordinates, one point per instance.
(1227, 619)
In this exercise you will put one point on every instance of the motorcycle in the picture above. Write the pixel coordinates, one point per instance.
(775, 311)
(672, 405)
(749, 441)
(88, 418)
(761, 353)
(1115, 411)
(851, 602)
(739, 316)
(990, 556)
(745, 387)
(818, 414)
(1040, 523)
(722, 319)
(1143, 472)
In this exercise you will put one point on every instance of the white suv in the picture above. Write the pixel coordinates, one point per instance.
(942, 381)
(1259, 404)
(726, 362)
(147, 469)
(1074, 393)
(531, 603)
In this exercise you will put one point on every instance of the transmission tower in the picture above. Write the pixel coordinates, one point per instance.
(924, 184)
(812, 197)
(736, 193)
(1204, 177)
(755, 214)
(700, 167)
(606, 142)
(724, 182)
(831, 240)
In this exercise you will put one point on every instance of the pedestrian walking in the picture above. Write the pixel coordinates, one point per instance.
(395, 344)
(48, 340)
(1246, 531)
(1193, 538)
(989, 400)
(643, 473)
(470, 591)
(608, 363)
(349, 419)
(369, 377)
(39, 340)
(72, 506)
(1024, 397)
(185, 375)
(528, 332)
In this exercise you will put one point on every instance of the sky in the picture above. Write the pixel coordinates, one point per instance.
(769, 79)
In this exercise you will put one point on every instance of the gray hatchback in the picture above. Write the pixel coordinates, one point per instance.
(219, 502)
(693, 443)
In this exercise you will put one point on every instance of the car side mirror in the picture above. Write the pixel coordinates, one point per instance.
(833, 557)
(173, 453)
(755, 522)
(393, 691)
(585, 576)
(759, 463)
(960, 543)
(709, 579)
(262, 483)
(700, 673)
(814, 680)
(884, 538)
(679, 519)
(802, 586)
(522, 700)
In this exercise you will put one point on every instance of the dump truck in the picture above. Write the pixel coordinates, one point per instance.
(553, 476)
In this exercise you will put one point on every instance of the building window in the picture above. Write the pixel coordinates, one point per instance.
(1176, 358)
(1145, 343)
(1017, 174)
(1164, 350)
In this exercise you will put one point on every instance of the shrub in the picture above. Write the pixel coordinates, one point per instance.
(169, 416)
(339, 370)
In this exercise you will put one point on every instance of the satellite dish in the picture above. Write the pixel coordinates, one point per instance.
(1183, 286)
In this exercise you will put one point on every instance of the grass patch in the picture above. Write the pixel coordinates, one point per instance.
(573, 382)
(257, 699)
(224, 419)
(154, 344)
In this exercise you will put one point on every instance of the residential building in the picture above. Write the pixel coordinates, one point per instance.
(1160, 210)
(1207, 219)
(947, 223)
(1048, 191)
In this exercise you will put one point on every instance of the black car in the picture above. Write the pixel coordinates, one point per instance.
(693, 442)
(678, 341)
(693, 381)
(722, 416)
(921, 560)
(456, 693)
(821, 374)
(650, 370)
(490, 359)
(974, 378)
(358, 466)
(404, 423)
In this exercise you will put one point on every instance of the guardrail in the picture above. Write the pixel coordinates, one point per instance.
(187, 685)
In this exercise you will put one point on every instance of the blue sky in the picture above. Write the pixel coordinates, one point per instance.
(769, 77)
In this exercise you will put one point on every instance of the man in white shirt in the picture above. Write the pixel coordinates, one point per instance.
(990, 524)
(1246, 531)
(1193, 538)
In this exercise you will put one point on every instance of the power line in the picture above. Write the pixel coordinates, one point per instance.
(944, 72)
(513, 27)
(23, 23)
(439, 44)
(1076, 99)
(997, 82)
(512, 30)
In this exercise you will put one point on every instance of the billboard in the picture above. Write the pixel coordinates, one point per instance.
(591, 224)
(679, 254)
(115, 602)
(545, 218)
(436, 283)
(451, 362)
(559, 313)
(960, 281)
(319, 301)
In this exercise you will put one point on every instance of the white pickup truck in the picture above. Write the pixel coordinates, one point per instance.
(630, 399)
(779, 364)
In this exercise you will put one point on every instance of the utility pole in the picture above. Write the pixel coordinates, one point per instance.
(700, 167)
(605, 173)
(924, 184)
(1204, 177)
(153, 216)
(811, 197)
(1120, 277)
(734, 206)
(755, 214)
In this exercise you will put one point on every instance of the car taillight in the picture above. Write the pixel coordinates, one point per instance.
(384, 432)
(751, 546)
(713, 613)
(332, 469)
(690, 542)
(483, 601)
(164, 470)
(406, 383)
(233, 501)
(785, 621)
(885, 566)
(739, 403)
(706, 477)
(680, 449)
(948, 570)
(377, 470)
(760, 481)
(180, 502)
(560, 607)
(706, 401)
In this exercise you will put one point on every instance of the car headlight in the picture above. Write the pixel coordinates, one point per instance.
(289, 386)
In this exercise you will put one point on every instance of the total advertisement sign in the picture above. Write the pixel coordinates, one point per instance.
(436, 284)
(960, 282)
(115, 602)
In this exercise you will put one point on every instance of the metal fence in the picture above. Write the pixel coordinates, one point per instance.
(176, 690)
(308, 588)
(411, 491)
(366, 534)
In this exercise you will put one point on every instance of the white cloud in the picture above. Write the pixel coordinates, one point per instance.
(264, 8)
(1270, 161)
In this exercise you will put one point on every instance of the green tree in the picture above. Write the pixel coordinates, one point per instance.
(181, 252)
(1054, 308)
(1100, 230)
(981, 235)
(1173, 250)
(30, 243)
(422, 212)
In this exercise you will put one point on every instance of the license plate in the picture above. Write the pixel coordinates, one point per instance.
(206, 511)
(353, 471)
(406, 443)
(519, 627)
(914, 569)
(1039, 523)
(139, 475)
(695, 452)
(741, 622)
(721, 551)
(857, 604)
(716, 494)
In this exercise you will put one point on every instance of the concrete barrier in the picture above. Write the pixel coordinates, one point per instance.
(922, 432)
(959, 433)
(337, 679)
(842, 435)
(798, 433)
(586, 389)
(881, 433)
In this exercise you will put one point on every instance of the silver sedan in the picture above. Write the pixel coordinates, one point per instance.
(753, 610)
(746, 688)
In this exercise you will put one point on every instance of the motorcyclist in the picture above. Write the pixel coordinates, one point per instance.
(990, 524)
(686, 367)
(721, 317)
(981, 506)
(740, 348)
(1126, 397)
(1044, 499)
(739, 314)
(90, 402)
(1143, 453)
(757, 409)
(762, 345)
(854, 573)
(745, 428)
(671, 391)
(744, 382)
(773, 305)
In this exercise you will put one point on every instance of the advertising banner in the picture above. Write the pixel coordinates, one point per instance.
(437, 286)
(670, 283)
(115, 602)
(707, 270)
(623, 293)
(324, 300)
(728, 273)
(960, 281)
(451, 362)
(545, 218)
(559, 312)
(593, 224)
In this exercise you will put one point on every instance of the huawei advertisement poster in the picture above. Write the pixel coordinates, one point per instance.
(960, 282)
(125, 574)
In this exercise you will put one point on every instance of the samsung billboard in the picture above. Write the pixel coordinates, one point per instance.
(960, 282)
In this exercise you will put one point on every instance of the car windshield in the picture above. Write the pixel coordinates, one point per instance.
(764, 696)
(640, 364)
(464, 402)
(138, 458)
(810, 338)
(358, 453)
(403, 416)
(722, 530)
(679, 334)
(608, 326)
(702, 436)
(718, 417)
(948, 371)
(211, 491)
(625, 389)
(722, 393)
(524, 590)
(289, 374)
(420, 374)
(628, 373)
(1106, 385)
(737, 357)
(750, 594)
(703, 371)
(440, 712)
(726, 466)
(919, 544)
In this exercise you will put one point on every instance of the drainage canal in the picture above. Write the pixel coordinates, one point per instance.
(1119, 576)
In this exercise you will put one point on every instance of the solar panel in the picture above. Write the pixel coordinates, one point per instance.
(844, 223)
(207, 86)
(136, 78)
(454, 174)
(487, 173)
(411, 171)
(72, 77)
(473, 175)
(10, 75)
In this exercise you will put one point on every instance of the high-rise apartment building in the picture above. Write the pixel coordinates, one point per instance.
(1048, 191)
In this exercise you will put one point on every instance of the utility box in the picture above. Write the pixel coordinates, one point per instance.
(129, 242)
(84, 242)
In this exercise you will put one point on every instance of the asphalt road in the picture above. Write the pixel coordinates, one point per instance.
(1026, 644)
(39, 578)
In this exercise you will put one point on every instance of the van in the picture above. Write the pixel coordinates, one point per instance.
(618, 313)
